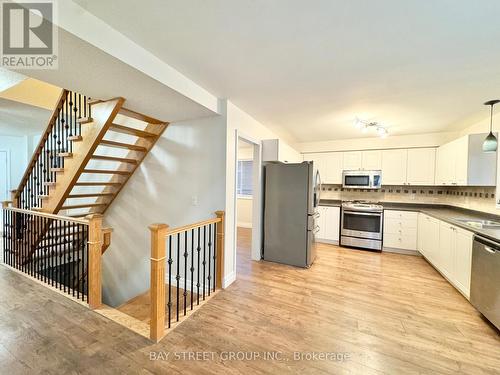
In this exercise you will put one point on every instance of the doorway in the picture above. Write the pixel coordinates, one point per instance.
(247, 223)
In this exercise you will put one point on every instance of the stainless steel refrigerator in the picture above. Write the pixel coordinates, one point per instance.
(291, 197)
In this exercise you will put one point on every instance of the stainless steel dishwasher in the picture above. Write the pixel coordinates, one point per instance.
(485, 278)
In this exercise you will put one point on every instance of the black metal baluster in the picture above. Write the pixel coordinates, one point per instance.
(169, 304)
(198, 249)
(58, 255)
(83, 244)
(5, 243)
(215, 255)
(73, 245)
(177, 277)
(38, 240)
(204, 257)
(51, 236)
(185, 270)
(192, 267)
(209, 255)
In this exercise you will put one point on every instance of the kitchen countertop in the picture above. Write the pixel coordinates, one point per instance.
(442, 212)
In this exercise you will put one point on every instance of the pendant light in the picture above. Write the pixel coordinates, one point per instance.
(490, 144)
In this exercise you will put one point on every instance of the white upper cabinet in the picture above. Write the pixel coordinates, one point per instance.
(420, 166)
(352, 160)
(371, 160)
(462, 162)
(334, 166)
(329, 165)
(394, 167)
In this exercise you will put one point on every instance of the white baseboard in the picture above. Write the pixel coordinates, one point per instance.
(229, 279)
(401, 251)
(330, 242)
(244, 225)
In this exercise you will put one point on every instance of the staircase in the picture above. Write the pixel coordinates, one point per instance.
(88, 152)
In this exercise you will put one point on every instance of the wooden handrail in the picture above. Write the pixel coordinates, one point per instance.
(49, 216)
(193, 226)
(41, 143)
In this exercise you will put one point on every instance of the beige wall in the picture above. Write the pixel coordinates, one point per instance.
(33, 92)
(244, 207)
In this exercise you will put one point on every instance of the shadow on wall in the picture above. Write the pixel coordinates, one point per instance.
(181, 181)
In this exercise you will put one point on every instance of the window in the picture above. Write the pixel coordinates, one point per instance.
(244, 178)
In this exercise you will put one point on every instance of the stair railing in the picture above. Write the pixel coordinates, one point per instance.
(68, 256)
(56, 142)
(192, 258)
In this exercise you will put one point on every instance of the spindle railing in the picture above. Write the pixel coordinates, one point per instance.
(191, 257)
(55, 144)
(67, 257)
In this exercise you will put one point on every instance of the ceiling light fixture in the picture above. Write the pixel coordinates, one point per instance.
(490, 144)
(367, 125)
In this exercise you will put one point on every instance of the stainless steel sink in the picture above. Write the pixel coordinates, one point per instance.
(481, 224)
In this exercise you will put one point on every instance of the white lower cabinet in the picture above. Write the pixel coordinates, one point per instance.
(448, 248)
(400, 230)
(329, 224)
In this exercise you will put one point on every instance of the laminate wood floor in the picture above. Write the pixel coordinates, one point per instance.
(392, 314)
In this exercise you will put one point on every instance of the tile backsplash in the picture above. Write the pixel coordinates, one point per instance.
(474, 198)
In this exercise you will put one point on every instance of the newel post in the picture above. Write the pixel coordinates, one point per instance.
(94, 261)
(13, 198)
(157, 283)
(220, 248)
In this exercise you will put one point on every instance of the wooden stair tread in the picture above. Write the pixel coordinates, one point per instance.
(57, 169)
(103, 171)
(75, 138)
(98, 183)
(74, 206)
(139, 116)
(85, 120)
(65, 154)
(131, 131)
(49, 183)
(90, 195)
(106, 142)
(113, 158)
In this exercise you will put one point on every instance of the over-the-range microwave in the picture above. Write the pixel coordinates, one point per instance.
(362, 179)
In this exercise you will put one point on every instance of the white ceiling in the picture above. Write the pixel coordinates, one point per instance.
(307, 68)
(22, 119)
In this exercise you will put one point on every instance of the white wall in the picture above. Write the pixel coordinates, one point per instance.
(17, 147)
(188, 161)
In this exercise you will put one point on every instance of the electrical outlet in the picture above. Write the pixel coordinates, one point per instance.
(194, 200)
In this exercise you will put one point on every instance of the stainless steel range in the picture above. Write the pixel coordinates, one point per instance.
(361, 225)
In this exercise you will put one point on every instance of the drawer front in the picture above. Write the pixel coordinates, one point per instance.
(407, 215)
(397, 241)
(395, 225)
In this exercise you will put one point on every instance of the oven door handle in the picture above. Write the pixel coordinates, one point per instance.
(363, 213)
